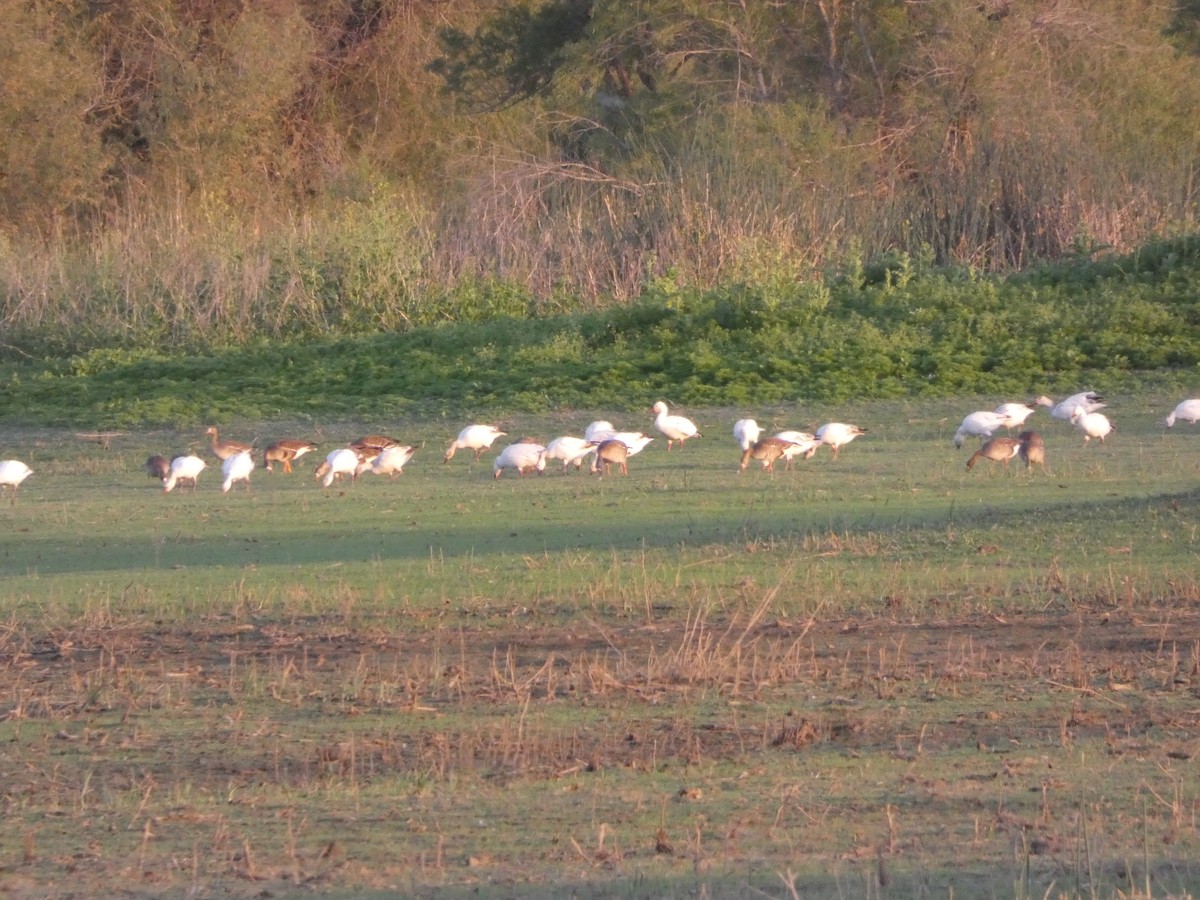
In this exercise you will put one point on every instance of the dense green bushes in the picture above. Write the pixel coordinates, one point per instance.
(905, 328)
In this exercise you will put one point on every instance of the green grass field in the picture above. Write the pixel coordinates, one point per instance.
(880, 675)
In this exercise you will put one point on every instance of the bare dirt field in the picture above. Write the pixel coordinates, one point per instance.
(1041, 753)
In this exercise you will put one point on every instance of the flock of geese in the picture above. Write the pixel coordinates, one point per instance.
(1082, 410)
(609, 448)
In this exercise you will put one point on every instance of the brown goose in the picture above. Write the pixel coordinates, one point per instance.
(285, 451)
(767, 450)
(371, 445)
(998, 449)
(225, 449)
(1032, 449)
(158, 467)
(611, 453)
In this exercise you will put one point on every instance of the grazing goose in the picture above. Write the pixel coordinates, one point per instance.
(475, 438)
(570, 450)
(237, 468)
(1188, 410)
(12, 473)
(611, 453)
(390, 461)
(1092, 424)
(634, 440)
(371, 445)
(800, 443)
(673, 428)
(998, 449)
(746, 432)
(158, 466)
(285, 451)
(524, 456)
(767, 451)
(982, 424)
(1015, 414)
(1089, 400)
(225, 449)
(1032, 449)
(183, 468)
(600, 430)
(339, 462)
(837, 434)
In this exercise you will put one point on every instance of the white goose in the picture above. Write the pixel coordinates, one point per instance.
(1188, 410)
(1092, 424)
(475, 438)
(183, 468)
(598, 434)
(570, 450)
(524, 456)
(237, 468)
(634, 440)
(673, 428)
(12, 473)
(801, 443)
(597, 431)
(838, 434)
(1015, 413)
(746, 432)
(390, 461)
(338, 463)
(982, 424)
(1090, 401)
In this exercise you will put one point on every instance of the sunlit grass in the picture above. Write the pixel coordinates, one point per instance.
(686, 677)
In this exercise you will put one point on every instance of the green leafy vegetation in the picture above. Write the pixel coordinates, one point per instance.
(903, 328)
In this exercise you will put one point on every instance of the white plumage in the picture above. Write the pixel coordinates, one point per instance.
(801, 444)
(237, 468)
(475, 438)
(1015, 413)
(600, 430)
(522, 456)
(1092, 424)
(746, 432)
(389, 461)
(634, 440)
(1188, 410)
(569, 449)
(673, 428)
(183, 468)
(838, 434)
(980, 424)
(1090, 401)
(12, 473)
(342, 461)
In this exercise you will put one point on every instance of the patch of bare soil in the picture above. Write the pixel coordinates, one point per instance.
(108, 728)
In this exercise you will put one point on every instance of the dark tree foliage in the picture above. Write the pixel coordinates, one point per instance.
(514, 56)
